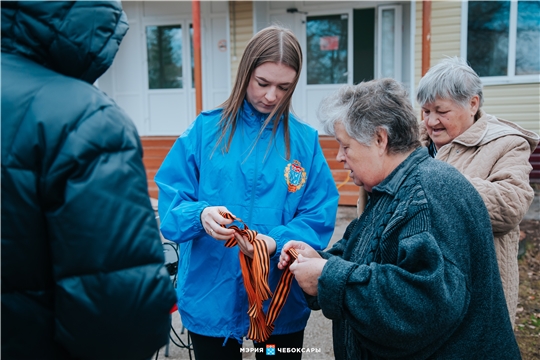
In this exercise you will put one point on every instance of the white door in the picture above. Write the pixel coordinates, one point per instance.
(169, 92)
(328, 59)
(327, 46)
(216, 62)
(151, 77)
(389, 42)
(294, 22)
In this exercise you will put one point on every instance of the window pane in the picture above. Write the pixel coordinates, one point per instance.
(487, 39)
(528, 38)
(387, 43)
(164, 44)
(327, 39)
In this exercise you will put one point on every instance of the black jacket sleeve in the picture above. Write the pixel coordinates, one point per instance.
(112, 292)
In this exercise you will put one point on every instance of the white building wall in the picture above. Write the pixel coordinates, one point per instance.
(169, 111)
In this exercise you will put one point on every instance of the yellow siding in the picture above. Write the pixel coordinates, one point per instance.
(418, 44)
(445, 30)
(241, 31)
(445, 33)
(519, 103)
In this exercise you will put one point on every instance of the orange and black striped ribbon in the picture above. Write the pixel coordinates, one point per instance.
(255, 274)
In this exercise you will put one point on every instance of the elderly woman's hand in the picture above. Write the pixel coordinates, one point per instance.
(307, 272)
(301, 247)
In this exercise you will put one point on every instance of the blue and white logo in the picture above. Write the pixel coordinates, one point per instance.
(270, 349)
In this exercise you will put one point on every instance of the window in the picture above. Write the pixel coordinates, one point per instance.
(528, 38)
(164, 44)
(503, 40)
(327, 55)
(389, 39)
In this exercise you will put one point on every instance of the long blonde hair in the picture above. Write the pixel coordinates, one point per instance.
(272, 44)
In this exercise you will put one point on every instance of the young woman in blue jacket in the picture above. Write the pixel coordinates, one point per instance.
(254, 159)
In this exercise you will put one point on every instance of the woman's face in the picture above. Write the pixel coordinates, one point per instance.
(268, 84)
(445, 119)
(366, 163)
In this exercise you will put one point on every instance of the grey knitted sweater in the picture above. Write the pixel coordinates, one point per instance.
(416, 277)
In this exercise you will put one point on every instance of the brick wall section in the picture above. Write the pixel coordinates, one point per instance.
(535, 162)
(157, 147)
(348, 191)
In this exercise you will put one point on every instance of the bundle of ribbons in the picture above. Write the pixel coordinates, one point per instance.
(255, 273)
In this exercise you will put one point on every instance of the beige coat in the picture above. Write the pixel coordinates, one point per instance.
(494, 155)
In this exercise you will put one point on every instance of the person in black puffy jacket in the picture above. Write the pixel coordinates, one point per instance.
(82, 262)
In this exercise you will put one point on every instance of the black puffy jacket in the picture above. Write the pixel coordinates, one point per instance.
(82, 263)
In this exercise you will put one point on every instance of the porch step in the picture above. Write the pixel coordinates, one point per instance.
(155, 148)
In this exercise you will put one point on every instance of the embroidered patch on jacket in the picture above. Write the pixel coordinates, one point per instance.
(295, 176)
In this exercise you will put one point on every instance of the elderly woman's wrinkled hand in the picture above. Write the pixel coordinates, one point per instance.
(307, 272)
(301, 247)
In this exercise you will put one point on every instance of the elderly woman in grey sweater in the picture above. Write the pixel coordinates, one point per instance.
(416, 275)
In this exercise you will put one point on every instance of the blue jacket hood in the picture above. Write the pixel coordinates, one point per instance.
(74, 38)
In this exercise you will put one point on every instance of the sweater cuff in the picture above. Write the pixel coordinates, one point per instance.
(332, 286)
(324, 254)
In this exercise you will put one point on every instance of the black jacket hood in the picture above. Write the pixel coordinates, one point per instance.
(75, 38)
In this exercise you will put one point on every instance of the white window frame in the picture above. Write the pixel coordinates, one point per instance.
(398, 43)
(184, 22)
(511, 78)
(187, 90)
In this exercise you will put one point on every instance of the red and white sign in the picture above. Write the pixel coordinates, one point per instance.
(329, 43)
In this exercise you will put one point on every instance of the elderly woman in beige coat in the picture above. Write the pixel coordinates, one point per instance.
(492, 153)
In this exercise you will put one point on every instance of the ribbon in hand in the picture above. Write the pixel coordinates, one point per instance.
(255, 274)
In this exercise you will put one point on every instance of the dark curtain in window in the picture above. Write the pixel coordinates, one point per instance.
(487, 37)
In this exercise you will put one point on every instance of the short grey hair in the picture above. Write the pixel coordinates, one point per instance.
(366, 108)
(450, 79)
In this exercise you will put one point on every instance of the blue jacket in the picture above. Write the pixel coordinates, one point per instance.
(253, 183)
(416, 277)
